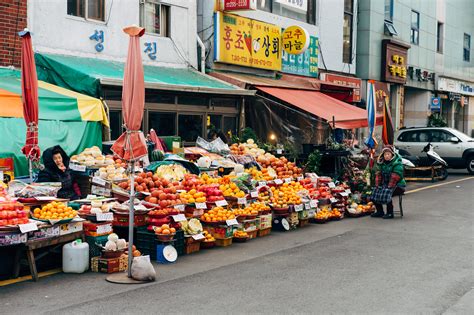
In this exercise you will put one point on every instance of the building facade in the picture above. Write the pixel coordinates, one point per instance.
(418, 49)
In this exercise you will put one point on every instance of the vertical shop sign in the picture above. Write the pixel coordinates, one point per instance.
(245, 42)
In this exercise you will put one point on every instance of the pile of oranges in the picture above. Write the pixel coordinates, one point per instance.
(54, 211)
(218, 214)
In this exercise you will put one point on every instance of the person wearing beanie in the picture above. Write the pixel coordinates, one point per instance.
(389, 181)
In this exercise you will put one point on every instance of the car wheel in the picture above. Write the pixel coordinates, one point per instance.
(470, 164)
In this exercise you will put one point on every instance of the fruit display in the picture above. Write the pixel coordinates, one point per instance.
(112, 172)
(12, 213)
(208, 237)
(93, 158)
(283, 168)
(191, 227)
(193, 196)
(171, 172)
(286, 194)
(217, 214)
(54, 211)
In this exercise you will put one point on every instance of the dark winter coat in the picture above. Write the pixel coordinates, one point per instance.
(51, 173)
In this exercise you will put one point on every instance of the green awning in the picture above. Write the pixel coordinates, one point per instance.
(87, 75)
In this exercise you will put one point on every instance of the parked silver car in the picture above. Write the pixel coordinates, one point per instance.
(455, 147)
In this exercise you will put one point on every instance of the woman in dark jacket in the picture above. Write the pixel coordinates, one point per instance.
(56, 169)
(388, 181)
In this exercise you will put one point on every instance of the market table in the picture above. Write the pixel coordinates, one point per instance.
(32, 245)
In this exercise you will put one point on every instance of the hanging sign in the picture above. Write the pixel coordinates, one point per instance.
(295, 40)
(246, 42)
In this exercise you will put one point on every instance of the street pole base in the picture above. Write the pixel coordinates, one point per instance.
(122, 278)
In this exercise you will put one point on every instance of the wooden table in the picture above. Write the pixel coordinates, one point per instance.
(48, 242)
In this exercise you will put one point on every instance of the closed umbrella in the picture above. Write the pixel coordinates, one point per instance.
(29, 96)
(131, 145)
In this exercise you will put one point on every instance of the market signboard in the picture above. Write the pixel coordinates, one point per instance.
(394, 61)
(246, 42)
(305, 64)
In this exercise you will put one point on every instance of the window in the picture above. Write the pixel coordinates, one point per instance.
(415, 27)
(307, 14)
(163, 123)
(439, 37)
(190, 127)
(95, 9)
(155, 17)
(467, 48)
(347, 32)
(389, 10)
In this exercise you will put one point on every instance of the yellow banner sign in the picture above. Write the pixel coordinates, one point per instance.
(247, 42)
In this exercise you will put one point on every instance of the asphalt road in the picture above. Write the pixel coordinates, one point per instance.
(422, 263)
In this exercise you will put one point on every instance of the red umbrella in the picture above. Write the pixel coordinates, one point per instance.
(29, 92)
(131, 145)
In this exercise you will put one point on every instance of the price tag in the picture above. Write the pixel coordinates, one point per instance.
(221, 203)
(232, 222)
(242, 201)
(179, 217)
(201, 205)
(300, 178)
(99, 181)
(288, 180)
(28, 227)
(313, 203)
(333, 200)
(279, 151)
(179, 207)
(278, 181)
(105, 216)
(77, 168)
(307, 206)
(331, 185)
(198, 237)
(299, 208)
(262, 183)
(254, 194)
(348, 191)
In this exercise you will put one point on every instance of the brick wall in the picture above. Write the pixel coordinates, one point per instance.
(12, 20)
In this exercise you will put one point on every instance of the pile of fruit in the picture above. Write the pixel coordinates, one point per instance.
(283, 168)
(12, 213)
(286, 194)
(240, 234)
(193, 196)
(54, 211)
(208, 237)
(218, 214)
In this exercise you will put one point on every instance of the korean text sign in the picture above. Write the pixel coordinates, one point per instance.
(247, 42)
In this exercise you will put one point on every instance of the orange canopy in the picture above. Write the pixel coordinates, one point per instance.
(346, 116)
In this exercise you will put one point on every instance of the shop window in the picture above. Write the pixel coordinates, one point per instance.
(439, 37)
(230, 126)
(163, 123)
(389, 10)
(155, 17)
(190, 127)
(192, 100)
(115, 124)
(415, 28)
(95, 9)
(347, 32)
(467, 47)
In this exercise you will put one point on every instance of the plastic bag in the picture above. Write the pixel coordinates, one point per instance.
(142, 269)
(23, 190)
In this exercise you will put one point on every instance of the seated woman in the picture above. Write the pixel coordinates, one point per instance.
(56, 169)
(388, 181)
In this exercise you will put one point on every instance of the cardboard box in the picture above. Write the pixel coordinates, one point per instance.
(45, 232)
(10, 238)
(109, 265)
(71, 227)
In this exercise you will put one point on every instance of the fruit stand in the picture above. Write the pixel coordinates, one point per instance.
(177, 212)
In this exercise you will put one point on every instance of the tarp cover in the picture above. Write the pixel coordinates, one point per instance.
(73, 136)
(346, 116)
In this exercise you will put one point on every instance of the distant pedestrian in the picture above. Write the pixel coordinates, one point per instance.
(389, 181)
